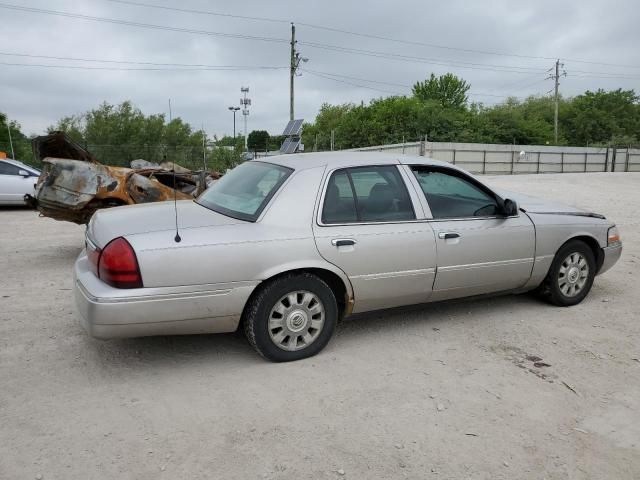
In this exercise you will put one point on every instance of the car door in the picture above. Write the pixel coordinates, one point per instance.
(367, 225)
(479, 250)
(13, 186)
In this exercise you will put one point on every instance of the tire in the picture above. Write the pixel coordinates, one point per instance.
(571, 275)
(291, 317)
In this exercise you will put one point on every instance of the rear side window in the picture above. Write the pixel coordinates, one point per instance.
(366, 194)
(245, 191)
(8, 169)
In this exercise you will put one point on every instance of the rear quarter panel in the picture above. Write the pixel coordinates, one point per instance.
(281, 240)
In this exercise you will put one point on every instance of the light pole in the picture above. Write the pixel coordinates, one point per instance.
(234, 110)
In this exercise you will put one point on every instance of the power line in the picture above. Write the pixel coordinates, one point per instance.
(430, 61)
(605, 76)
(327, 77)
(370, 53)
(364, 35)
(129, 62)
(335, 48)
(476, 94)
(199, 12)
(141, 69)
(139, 24)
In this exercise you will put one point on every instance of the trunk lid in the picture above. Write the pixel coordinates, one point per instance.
(105, 225)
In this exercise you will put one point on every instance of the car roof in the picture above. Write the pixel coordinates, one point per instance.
(302, 161)
(18, 163)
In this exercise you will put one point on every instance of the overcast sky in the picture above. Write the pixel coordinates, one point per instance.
(36, 96)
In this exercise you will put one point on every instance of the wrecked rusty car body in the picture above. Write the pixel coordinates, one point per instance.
(74, 184)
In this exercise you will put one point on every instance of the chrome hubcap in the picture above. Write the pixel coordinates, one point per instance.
(296, 320)
(573, 274)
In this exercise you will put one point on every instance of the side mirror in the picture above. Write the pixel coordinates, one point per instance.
(509, 207)
(23, 173)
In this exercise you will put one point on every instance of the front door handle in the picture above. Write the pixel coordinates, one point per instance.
(342, 242)
(448, 235)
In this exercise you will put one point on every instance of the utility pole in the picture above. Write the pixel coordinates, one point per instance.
(245, 102)
(295, 60)
(556, 97)
(13, 154)
(292, 69)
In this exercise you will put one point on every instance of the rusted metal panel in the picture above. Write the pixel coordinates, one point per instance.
(74, 184)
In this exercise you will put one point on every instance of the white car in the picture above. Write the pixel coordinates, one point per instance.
(16, 181)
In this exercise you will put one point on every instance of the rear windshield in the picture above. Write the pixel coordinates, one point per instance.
(244, 191)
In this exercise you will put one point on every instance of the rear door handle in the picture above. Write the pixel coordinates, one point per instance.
(448, 235)
(342, 242)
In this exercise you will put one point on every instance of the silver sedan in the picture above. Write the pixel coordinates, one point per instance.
(285, 248)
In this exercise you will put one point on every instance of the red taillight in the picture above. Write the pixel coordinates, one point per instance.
(118, 265)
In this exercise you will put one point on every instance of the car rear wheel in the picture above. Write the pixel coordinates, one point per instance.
(571, 275)
(291, 317)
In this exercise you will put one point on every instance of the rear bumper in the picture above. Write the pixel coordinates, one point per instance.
(108, 312)
(611, 256)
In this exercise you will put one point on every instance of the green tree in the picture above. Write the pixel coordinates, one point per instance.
(258, 140)
(21, 143)
(447, 90)
(602, 117)
(117, 134)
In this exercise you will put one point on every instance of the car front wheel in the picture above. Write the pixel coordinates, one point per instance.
(571, 274)
(291, 317)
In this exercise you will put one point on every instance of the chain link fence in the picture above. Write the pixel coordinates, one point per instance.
(516, 159)
(191, 157)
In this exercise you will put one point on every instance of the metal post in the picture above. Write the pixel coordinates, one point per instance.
(513, 154)
(626, 160)
(454, 156)
(234, 110)
(613, 158)
(555, 114)
(292, 69)
(585, 161)
(403, 144)
(332, 139)
(315, 146)
(538, 164)
(561, 162)
(606, 160)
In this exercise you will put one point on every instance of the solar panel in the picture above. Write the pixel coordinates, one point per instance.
(293, 146)
(285, 145)
(297, 127)
(287, 129)
(293, 127)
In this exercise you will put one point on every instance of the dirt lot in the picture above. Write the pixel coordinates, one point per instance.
(449, 391)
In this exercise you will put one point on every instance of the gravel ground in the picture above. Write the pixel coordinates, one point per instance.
(448, 391)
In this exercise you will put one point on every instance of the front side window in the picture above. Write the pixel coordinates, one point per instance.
(246, 190)
(366, 194)
(452, 196)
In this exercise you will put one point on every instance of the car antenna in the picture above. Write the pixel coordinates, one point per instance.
(175, 202)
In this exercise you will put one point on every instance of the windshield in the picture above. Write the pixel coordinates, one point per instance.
(245, 191)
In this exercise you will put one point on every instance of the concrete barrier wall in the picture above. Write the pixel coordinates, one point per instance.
(514, 159)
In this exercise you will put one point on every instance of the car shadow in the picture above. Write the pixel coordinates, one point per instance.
(17, 208)
(167, 351)
(232, 349)
(447, 312)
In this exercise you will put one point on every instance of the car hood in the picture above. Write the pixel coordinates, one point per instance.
(532, 204)
(107, 224)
